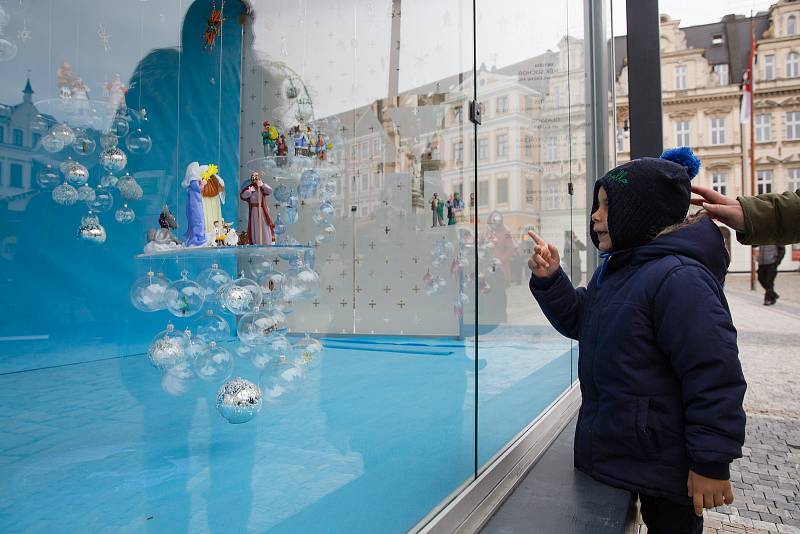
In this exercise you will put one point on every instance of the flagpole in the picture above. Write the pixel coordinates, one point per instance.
(751, 81)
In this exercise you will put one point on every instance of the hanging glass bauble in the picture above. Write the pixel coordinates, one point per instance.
(8, 50)
(279, 380)
(48, 177)
(240, 296)
(83, 143)
(91, 231)
(211, 280)
(305, 191)
(271, 284)
(65, 194)
(77, 174)
(52, 144)
(329, 190)
(282, 193)
(125, 215)
(86, 193)
(119, 126)
(212, 327)
(109, 180)
(307, 351)
(256, 327)
(138, 142)
(310, 177)
(147, 293)
(184, 297)
(113, 159)
(326, 208)
(103, 200)
(129, 188)
(326, 233)
(65, 165)
(238, 400)
(301, 284)
(278, 347)
(168, 348)
(194, 345)
(258, 356)
(109, 140)
(215, 364)
(293, 202)
(291, 215)
(280, 227)
(40, 124)
(63, 133)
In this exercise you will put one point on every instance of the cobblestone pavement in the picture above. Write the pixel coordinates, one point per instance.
(767, 479)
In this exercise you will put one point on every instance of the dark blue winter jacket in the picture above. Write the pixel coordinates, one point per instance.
(659, 371)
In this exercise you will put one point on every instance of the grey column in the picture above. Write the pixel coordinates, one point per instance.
(644, 78)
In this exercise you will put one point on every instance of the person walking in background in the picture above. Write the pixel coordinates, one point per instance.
(769, 257)
(451, 210)
(435, 210)
(572, 257)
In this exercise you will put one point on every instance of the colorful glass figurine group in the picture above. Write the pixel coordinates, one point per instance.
(300, 137)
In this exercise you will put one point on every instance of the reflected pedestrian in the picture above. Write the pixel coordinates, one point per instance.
(769, 257)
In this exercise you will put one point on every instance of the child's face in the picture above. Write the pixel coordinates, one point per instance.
(600, 221)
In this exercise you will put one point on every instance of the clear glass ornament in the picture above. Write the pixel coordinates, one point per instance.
(195, 346)
(119, 126)
(329, 190)
(103, 200)
(129, 188)
(65, 194)
(305, 191)
(238, 400)
(8, 50)
(168, 348)
(213, 365)
(113, 159)
(48, 177)
(52, 144)
(109, 140)
(307, 351)
(124, 215)
(91, 231)
(40, 124)
(138, 142)
(258, 356)
(240, 296)
(211, 280)
(301, 284)
(147, 293)
(86, 193)
(271, 283)
(327, 209)
(212, 327)
(63, 133)
(77, 174)
(326, 233)
(310, 178)
(184, 297)
(255, 328)
(280, 380)
(84, 144)
(282, 193)
(109, 180)
(291, 215)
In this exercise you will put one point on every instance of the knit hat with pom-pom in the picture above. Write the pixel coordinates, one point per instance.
(646, 195)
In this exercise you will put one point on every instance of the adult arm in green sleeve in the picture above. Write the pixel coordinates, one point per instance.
(771, 219)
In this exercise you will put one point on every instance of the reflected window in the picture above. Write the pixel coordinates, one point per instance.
(793, 65)
(18, 137)
(528, 103)
(722, 73)
(15, 176)
(791, 25)
(2, 134)
(682, 133)
(35, 139)
(716, 39)
(502, 104)
(483, 149)
(551, 196)
(483, 193)
(551, 152)
(794, 179)
(365, 181)
(458, 151)
(501, 188)
(458, 114)
(529, 190)
(769, 67)
(763, 124)
(1, 173)
(502, 146)
(793, 125)
(719, 182)
(764, 181)
(680, 77)
(717, 131)
(528, 146)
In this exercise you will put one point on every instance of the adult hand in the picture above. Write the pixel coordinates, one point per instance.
(545, 260)
(708, 492)
(726, 210)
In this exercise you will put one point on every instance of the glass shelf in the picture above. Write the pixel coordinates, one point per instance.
(182, 253)
(290, 167)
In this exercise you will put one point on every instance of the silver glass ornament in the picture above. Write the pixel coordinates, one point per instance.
(113, 159)
(91, 231)
(65, 194)
(124, 215)
(129, 188)
(238, 400)
(168, 348)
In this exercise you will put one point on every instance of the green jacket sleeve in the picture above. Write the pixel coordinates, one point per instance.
(771, 219)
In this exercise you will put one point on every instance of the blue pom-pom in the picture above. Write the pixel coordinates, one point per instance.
(683, 155)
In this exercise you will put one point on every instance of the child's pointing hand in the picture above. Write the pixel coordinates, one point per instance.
(545, 260)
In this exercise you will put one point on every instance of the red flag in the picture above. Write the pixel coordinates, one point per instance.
(747, 79)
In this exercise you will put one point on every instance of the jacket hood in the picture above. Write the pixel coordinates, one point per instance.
(701, 241)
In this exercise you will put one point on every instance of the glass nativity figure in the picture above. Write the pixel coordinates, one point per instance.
(260, 228)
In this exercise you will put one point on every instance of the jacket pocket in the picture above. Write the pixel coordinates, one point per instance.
(619, 430)
(643, 431)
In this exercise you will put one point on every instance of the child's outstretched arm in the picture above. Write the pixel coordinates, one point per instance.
(561, 303)
(693, 327)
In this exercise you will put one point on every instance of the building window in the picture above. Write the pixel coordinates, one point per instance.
(680, 77)
(722, 72)
(717, 131)
(458, 151)
(529, 190)
(502, 104)
(794, 179)
(17, 137)
(792, 65)
(501, 191)
(528, 146)
(483, 194)
(682, 133)
(620, 141)
(502, 146)
(719, 181)
(716, 39)
(483, 149)
(551, 151)
(551, 196)
(365, 181)
(16, 176)
(376, 147)
(769, 67)
(793, 125)
(791, 25)
(764, 182)
(763, 128)
(2, 134)
(528, 103)
(458, 114)
(35, 139)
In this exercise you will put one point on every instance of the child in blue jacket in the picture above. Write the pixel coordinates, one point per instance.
(660, 376)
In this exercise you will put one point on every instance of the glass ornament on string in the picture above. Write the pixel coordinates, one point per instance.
(211, 280)
(48, 177)
(63, 133)
(282, 193)
(103, 200)
(119, 126)
(327, 208)
(91, 231)
(212, 327)
(76, 174)
(184, 297)
(255, 328)
(147, 293)
(129, 188)
(271, 283)
(86, 193)
(65, 194)
(168, 348)
(213, 365)
(307, 352)
(280, 380)
(238, 401)
(138, 142)
(125, 215)
(195, 345)
(113, 159)
(109, 140)
(301, 284)
(109, 180)
(83, 144)
(291, 215)
(280, 228)
(52, 144)
(240, 296)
